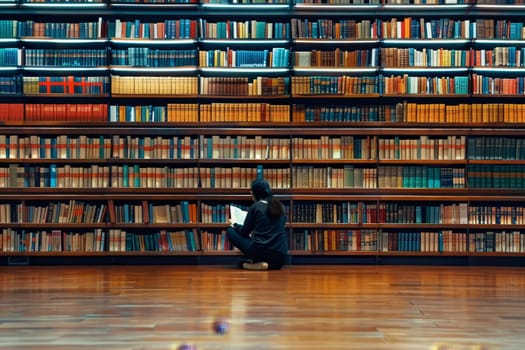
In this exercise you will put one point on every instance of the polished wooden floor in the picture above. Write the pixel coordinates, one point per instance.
(300, 307)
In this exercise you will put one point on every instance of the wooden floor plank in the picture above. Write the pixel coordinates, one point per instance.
(300, 307)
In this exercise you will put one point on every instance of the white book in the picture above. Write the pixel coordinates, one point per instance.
(237, 215)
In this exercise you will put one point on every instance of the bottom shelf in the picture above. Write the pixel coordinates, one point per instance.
(233, 258)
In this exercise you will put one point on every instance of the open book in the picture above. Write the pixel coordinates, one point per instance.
(237, 215)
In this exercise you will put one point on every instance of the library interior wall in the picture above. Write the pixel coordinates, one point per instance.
(393, 132)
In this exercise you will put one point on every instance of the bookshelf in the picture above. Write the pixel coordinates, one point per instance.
(392, 130)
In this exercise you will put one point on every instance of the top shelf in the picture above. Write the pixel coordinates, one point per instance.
(261, 10)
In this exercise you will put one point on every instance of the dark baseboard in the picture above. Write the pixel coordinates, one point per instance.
(48, 260)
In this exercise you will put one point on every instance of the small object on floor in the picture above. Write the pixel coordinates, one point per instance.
(187, 347)
(221, 326)
(259, 266)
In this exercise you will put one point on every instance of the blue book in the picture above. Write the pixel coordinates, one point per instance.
(52, 175)
(170, 241)
(129, 243)
(223, 242)
(146, 33)
(419, 214)
(136, 176)
(125, 212)
(125, 175)
(157, 241)
(260, 175)
(185, 211)
(140, 148)
(53, 147)
(344, 218)
(190, 240)
(212, 177)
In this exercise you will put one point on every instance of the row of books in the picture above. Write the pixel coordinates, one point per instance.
(53, 176)
(83, 58)
(487, 85)
(448, 28)
(149, 57)
(334, 240)
(495, 147)
(345, 212)
(334, 212)
(66, 85)
(499, 215)
(94, 112)
(213, 147)
(183, 28)
(297, 28)
(453, 213)
(242, 177)
(424, 148)
(117, 240)
(163, 213)
(337, 85)
(102, 147)
(277, 57)
(496, 176)
(327, 28)
(59, 30)
(499, 113)
(159, 147)
(244, 147)
(244, 112)
(497, 241)
(163, 240)
(318, 240)
(136, 176)
(500, 56)
(415, 176)
(412, 85)
(250, 29)
(431, 213)
(98, 240)
(463, 113)
(476, 84)
(336, 58)
(144, 212)
(172, 112)
(10, 56)
(73, 211)
(112, 240)
(333, 147)
(406, 28)
(330, 112)
(398, 212)
(348, 176)
(424, 241)
(244, 86)
(386, 58)
(159, 85)
(260, 147)
(11, 85)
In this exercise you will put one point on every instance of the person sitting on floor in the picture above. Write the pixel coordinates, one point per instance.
(262, 238)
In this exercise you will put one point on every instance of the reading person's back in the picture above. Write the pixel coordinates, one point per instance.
(261, 238)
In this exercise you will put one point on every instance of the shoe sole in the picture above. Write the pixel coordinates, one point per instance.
(260, 266)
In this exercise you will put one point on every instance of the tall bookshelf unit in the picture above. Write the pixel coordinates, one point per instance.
(394, 132)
